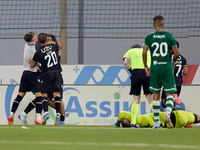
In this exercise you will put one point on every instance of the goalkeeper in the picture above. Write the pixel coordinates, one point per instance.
(179, 119)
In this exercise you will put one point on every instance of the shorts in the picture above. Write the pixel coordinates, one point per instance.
(138, 79)
(50, 95)
(178, 88)
(29, 82)
(165, 81)
(51, 82)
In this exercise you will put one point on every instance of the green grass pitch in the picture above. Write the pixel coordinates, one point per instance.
(49, 137)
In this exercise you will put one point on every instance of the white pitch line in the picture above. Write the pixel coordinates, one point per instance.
(102, 144)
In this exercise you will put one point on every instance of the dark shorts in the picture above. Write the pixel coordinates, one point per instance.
(50, 95)
(138, 79)
(29, 82)
(51, 82)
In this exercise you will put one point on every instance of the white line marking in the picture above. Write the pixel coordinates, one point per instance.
(102, 144)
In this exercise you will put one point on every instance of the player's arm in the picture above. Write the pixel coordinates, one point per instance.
(31, 63)
(176, 54)
(60, 44)
(126, 63)
(185, 70)
(144, 56)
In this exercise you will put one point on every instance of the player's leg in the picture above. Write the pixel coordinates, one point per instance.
(45, 108)
(177, 93)
(156, 109)
(57, 86)
(163, 98)
(155, 87)
(134, 110)
(15, 106)
(45, 87)
(135, 91)
(147, 93)
(57, 107)
(169, 87)
(24, 87)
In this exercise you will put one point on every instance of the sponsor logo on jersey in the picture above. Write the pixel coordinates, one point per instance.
(159, 63)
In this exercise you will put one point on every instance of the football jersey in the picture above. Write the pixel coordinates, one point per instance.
(160, 44)
(135, 56)
(179, 65)
(49, 58)
(29, 51)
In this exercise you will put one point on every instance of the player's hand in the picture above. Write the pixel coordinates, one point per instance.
(147, 70)
(29, 61)
(59, 52)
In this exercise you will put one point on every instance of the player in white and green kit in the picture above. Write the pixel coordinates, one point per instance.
(160, 44)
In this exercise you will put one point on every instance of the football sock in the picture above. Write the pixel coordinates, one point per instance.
(30, 106)
(45, 104)
(57, 104)
(169, 105)
(23, 114)
(156, 109)
(16, 103)
(38, 115)
(39, 105)
(13, 114)
(62, 118)
(134, 111)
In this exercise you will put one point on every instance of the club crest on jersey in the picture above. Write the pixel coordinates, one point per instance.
(159, 36)
(47, 48)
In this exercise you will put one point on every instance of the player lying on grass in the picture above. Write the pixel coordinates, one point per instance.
(179, 119)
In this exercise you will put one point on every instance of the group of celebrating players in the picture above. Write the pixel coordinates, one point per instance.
(42, 76)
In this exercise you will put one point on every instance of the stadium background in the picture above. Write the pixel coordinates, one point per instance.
(100, 30)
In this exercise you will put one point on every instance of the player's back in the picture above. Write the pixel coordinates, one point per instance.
(160, 44)
(179, 64)
(29, 51)
(49, 58)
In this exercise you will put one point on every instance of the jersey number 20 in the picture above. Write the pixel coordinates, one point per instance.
(52, 59)
(159, 49)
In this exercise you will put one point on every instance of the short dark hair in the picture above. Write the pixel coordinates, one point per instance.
(42, 38)
(157, 19)
(52, 37)
(125, 125)
(28, 36)
(136, 46)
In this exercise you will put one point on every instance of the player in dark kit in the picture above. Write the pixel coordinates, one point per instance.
(179, 70)
(51, 68)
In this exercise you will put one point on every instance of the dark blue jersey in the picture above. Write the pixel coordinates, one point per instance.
(180, 63)
(49, 58)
